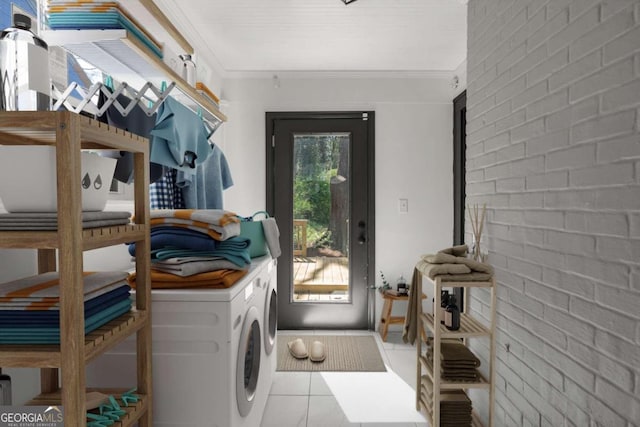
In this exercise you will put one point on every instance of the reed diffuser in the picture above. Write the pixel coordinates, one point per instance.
(476, 217)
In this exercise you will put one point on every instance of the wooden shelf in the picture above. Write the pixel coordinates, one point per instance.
(134, 410)
(69, 133)
(96, 343)
(469, 327)
(92, 238)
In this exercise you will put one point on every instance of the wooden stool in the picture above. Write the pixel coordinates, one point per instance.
(387, 319)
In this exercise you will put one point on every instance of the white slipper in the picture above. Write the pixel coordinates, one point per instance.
(298, 349)
(317, 352)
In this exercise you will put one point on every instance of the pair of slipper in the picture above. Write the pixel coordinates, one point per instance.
(298, 350)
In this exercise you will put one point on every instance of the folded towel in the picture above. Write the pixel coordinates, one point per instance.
(52, 217)
(217, 223)
(457, 352)
(176, 237)
(434, 270)
(189, 268)
(460, 250)
(213, 279)
(272, 236)
(443, 258)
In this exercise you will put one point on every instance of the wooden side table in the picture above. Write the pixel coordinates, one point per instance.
(387, 319)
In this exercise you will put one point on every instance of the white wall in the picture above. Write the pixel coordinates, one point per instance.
(414, 153)
(553, 148)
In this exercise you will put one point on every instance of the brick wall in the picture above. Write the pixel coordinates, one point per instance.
(553, 149)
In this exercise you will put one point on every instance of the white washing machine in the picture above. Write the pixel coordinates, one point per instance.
(208, 367)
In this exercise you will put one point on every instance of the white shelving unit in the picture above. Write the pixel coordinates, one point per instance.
(470, 328)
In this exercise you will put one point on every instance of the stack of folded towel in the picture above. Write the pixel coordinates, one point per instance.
(25, 221)
(452, 265)
(30, 307)
(196, 248)
(455, 405)
(457, 362)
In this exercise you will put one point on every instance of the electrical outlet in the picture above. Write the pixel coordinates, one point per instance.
(403, 205)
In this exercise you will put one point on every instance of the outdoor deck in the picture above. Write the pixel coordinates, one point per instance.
(320, 274)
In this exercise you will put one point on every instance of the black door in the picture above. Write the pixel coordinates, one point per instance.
(320, 190)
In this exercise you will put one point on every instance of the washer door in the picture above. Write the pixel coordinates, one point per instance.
(248, 366)
(270, 319)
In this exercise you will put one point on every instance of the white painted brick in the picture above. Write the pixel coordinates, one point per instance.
(604, 126)
(526, 269)
(511, 312)
(570, 243)
(506, 246)
(547, 142)
(618, 148)
(602, 415)
(547, 68)
(635, 225)
(481, 134)
(548, 295)
(602, 175)
(511, 89)
(577, 394)
(513, 21)
(557, 6)
(510, 185)
(575, 30)
(602, 34)
(500, 82)
(620, 300)
(610, 7)
(513, 416)
(622, 97)
(526, 200)
(510, 121)
(544, 218)
(532, 93)
(482, 105)
(570, 199)
(617, 348)
(578, 7)
(474, 150)
(483, 161)
(570, 283)
(578, 112)
(512, 152)
(577, 328)
(623, 46)
(619, 249)
(475, 176)
(499, 171)
(604, 318)
(526, 304)
(548, 415)
(548, 104)
(569, 367)
(598, 223)
(528, 130)
(498, 112)
(515, 56)
(510, 216)
(609, 273)
(607, 367)
(573, 157)
(618, 198)
(611, 76)
(635, 280)
(527, 165)
(547, 181)
(620, 401)
(553, 26)
(486, 78)
(533, 58)
(637, 391)
(575, 71)
(543, 367)
(481, 188)
(548, 258)
(536, 19)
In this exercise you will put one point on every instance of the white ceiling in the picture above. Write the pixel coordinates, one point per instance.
(256, 36)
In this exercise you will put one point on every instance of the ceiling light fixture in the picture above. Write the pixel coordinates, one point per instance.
(348, 1)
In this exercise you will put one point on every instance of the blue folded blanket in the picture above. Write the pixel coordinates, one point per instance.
(184, 238)
(235, 249)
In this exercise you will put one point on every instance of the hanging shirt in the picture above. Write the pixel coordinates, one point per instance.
(203, 190)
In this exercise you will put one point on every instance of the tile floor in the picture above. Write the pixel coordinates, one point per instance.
(303, 399)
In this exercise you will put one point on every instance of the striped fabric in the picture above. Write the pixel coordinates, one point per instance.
(217, 223)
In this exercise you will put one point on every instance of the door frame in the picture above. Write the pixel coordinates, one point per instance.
(459, 177)
(271, 118)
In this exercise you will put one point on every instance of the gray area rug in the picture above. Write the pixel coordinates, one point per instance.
(344, 353)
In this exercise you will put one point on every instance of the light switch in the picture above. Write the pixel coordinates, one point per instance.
(403, 205)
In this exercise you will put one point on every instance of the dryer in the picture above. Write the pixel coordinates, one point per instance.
(269, 327)
(207, 355)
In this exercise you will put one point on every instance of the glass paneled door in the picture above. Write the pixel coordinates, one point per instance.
(321, 193)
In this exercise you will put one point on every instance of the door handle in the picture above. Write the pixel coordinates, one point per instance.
(362, 239)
